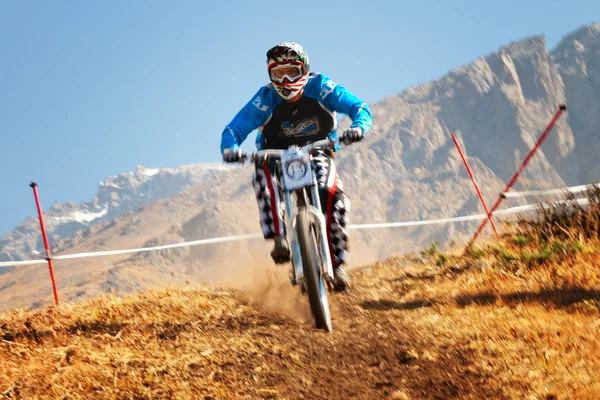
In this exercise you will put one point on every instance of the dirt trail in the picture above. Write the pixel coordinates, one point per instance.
(406, 331)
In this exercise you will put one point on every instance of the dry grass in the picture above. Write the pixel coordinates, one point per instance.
(567, 220)
(513, 318)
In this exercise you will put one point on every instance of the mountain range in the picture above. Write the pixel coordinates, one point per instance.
(405, 169)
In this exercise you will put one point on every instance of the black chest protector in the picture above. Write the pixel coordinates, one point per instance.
(297, 123)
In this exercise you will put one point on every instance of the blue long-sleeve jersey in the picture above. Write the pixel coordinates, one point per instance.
(308, 119)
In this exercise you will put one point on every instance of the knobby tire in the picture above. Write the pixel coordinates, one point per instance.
(309, 247)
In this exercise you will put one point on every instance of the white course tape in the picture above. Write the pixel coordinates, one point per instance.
(127, 251)
(572, 189)
(417, 223)
(532, 207)
(167, 246)
(17, 263)
(475, 217)
(516, 210)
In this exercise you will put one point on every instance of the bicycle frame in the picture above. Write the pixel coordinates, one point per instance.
(307, 228)
(297, 176)
(315, 210)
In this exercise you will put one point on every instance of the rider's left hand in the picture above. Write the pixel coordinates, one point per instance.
(232, 155)
(352, 135)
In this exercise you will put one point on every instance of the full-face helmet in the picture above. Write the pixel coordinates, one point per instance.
(288, 67)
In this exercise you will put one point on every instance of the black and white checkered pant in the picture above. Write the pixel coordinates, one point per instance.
(334, 204)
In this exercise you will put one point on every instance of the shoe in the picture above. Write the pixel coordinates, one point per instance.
(341, 280)
(281, 252)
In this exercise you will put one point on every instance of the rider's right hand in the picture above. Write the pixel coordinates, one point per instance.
(232, 155)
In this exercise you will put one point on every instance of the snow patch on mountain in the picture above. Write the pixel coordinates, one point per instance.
(116, 195)
(82, 217)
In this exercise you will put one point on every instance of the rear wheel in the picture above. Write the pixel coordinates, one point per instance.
(312, 264)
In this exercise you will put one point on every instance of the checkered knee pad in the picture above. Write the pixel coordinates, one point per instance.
(267, 196)
(335, 206)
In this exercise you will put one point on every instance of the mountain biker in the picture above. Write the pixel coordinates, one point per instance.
(296, 108)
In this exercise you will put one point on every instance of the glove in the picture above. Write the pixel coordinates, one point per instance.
(352, 135)
(232, 155)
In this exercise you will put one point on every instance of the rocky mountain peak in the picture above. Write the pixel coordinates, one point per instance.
(585, 35)
(405, 169)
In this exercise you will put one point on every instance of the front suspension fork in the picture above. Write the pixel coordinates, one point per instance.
(315, 210)
(298, 277)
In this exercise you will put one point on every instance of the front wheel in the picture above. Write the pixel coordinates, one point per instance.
(312, 264)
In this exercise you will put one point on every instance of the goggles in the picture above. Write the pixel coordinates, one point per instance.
(290, 71)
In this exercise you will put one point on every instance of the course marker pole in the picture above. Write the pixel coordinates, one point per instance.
(33, 185)
(487, 212)
(562, 108)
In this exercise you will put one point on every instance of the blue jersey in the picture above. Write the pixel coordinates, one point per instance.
(308, 119)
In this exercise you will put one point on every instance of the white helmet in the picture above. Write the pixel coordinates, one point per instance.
(288, 67)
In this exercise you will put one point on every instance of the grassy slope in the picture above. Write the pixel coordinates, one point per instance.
(516, 318)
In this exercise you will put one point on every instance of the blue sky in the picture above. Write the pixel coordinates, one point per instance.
(89, 89)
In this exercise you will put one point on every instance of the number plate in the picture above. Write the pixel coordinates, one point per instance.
(297, 170)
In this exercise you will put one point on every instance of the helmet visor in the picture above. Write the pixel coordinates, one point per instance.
(280, 72)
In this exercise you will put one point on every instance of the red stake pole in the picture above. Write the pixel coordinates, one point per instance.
(562, 108)
(46, 245)
(487, 212)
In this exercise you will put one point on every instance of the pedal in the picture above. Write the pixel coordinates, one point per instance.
(280, 256)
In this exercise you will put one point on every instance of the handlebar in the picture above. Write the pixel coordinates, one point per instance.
(324, 144)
